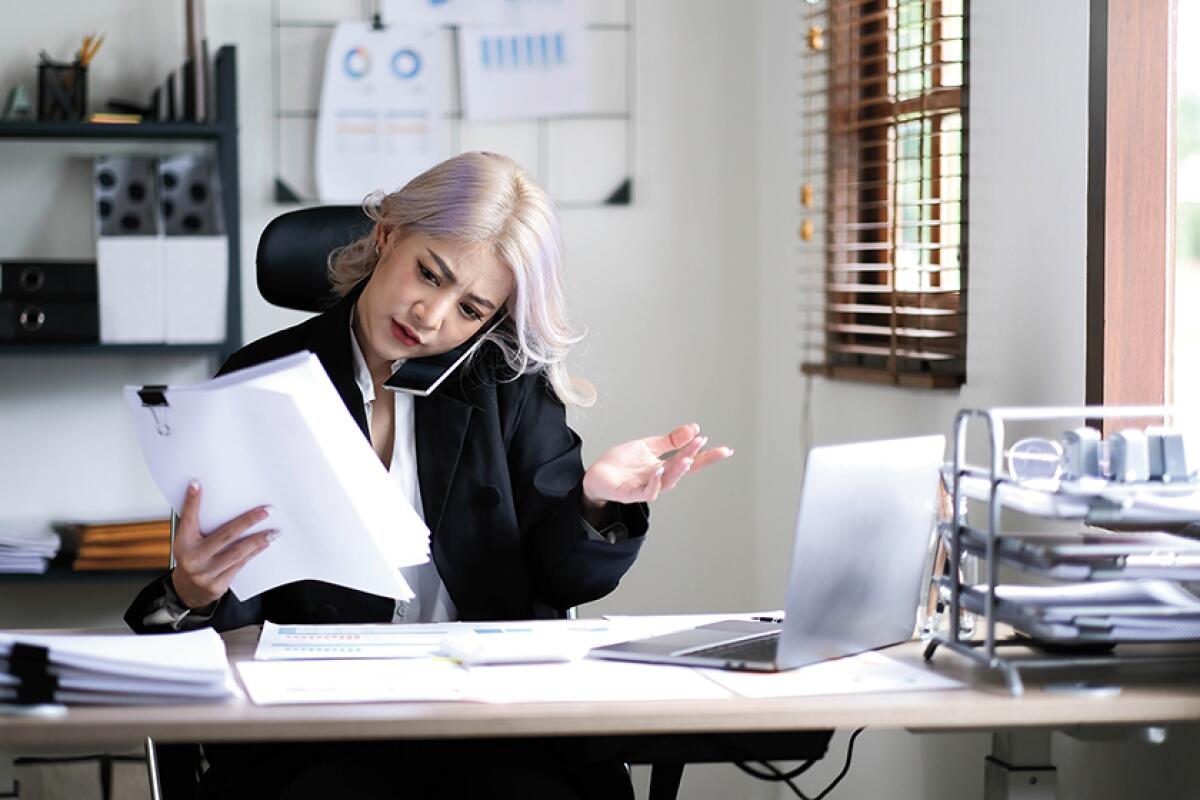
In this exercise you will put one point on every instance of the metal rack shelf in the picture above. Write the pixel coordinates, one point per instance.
(991, 485)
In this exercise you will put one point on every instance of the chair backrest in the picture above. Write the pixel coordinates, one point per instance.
(293, 254)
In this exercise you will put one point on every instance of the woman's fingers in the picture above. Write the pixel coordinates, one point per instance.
(674, 440)
(231, 531)
(187, 533)
(238, 553)
(680, 464)
(711, 457)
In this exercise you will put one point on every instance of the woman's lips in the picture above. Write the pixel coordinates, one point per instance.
(405, 335)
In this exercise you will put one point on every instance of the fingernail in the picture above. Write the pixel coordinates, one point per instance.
(267, 511)
(703, 440)
(658, 472)
(193, 486)
(271, 536)
(687, 464)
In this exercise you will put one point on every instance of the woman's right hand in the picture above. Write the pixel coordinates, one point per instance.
(206, 564)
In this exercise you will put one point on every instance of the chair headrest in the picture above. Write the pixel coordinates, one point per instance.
(293, 254)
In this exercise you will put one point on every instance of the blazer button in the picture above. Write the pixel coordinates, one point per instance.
(487, 498)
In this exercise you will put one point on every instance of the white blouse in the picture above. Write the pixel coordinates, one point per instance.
(432, 602)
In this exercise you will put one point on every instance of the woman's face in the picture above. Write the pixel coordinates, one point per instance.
(427, 296)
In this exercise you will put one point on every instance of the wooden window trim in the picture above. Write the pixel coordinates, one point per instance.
(862, 206)
(1130, 202)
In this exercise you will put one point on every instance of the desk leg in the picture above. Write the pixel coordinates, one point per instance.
(1020, 767)
(8, 775)
(665, 777)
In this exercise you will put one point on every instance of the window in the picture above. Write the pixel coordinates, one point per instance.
(882, 194)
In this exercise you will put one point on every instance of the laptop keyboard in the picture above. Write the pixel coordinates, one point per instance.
(760, 648)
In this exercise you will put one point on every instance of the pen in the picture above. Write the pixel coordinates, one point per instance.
(776, 620)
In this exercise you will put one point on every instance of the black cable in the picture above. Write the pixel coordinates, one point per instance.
(845, 767)
(775, 775)
(778, 776)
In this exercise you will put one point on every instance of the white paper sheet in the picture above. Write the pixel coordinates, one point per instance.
(536, 64)
(367, 681)
(589, 681)
(423, 680)
(861, 674)
(279, 435)
(381, 119)
(569, 637)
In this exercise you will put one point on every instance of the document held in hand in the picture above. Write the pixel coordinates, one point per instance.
(278, 434)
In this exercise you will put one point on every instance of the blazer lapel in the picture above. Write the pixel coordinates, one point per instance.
(330, 341)
(441, 422)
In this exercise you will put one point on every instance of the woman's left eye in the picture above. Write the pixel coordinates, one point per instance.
(469, 312)
(427, 273)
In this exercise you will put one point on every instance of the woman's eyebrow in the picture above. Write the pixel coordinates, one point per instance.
(452, 278)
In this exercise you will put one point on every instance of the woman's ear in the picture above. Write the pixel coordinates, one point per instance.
(381, 237)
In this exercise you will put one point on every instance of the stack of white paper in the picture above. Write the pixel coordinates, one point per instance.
(1097, 611)
(26, 546)
(114, 669)
(278, 434)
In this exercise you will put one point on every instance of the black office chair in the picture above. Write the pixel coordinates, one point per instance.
(293, 253)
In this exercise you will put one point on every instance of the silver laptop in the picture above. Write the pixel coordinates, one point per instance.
(866, 512)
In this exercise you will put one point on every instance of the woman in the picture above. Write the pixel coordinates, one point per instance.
(518, 528)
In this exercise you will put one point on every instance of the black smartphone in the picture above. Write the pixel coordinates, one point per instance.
(420, 376)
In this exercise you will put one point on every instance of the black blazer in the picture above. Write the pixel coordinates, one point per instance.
(501, 485)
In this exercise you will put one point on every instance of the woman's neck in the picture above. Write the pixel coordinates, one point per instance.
(379, 367)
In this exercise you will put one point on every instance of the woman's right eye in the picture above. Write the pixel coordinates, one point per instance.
(427, 274)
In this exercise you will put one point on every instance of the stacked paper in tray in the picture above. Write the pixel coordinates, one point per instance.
(1097, 611)
(121, 669)
(26, 546)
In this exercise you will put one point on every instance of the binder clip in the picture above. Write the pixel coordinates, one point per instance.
(155, 399)
(29, 664)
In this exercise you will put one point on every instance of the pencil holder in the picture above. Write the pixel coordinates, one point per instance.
(62, 91)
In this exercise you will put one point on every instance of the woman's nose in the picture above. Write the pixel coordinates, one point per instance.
(430, 314)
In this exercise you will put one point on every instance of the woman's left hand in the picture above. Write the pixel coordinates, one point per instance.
(635, 471)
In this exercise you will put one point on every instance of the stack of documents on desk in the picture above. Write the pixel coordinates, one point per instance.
(117, 669)
(1103, 611)
(26, 546)
(278, 434)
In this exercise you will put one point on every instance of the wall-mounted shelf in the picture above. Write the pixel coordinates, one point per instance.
(181, 131)
(98, 349)
(222, 133)
(85, 576)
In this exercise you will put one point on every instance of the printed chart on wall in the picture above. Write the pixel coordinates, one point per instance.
(360, 107)
(382, 110)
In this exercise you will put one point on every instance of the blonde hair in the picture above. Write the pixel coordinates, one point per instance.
(487, 199)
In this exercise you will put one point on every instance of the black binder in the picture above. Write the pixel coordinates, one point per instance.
(41, 280)
(33, 321)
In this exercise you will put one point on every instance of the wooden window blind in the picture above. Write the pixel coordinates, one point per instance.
(882, 190)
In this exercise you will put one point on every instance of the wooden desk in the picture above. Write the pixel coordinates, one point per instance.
(1146, 699)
